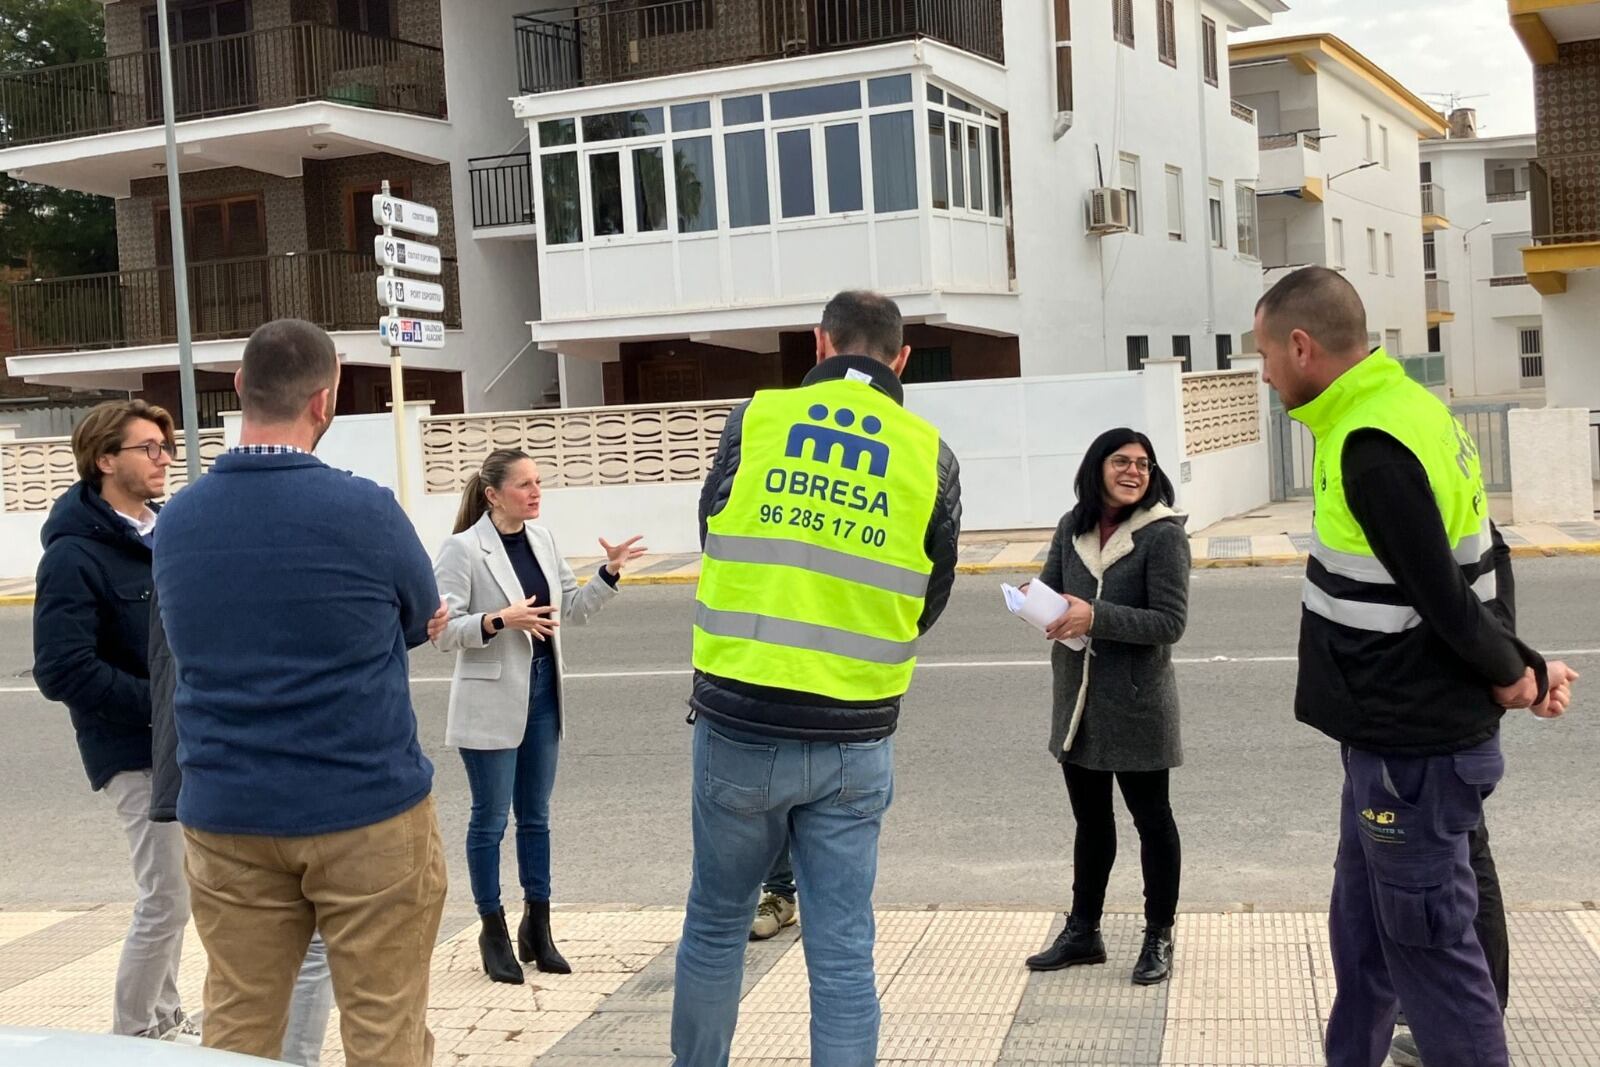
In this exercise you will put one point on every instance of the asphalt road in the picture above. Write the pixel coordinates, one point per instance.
(980, 812)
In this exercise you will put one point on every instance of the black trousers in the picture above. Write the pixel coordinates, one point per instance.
(1094, 848)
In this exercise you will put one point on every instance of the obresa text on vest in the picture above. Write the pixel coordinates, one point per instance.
(843, 492)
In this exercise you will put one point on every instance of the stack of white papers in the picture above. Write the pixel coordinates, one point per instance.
(1041, 606)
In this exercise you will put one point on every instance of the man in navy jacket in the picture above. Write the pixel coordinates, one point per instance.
(290, 593)
(91, 624)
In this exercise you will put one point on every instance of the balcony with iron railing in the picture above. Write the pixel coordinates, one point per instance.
(619, 40)
(227, 299)
(502, 191)
(254, 71)
(1562, 242)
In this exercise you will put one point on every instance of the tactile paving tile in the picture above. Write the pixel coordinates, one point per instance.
(1227, 547)
(15, 924)
(46, 949)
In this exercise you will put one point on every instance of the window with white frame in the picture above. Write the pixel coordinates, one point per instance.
(1214, 220)
(1336, 250)
(1175, 203)
(1249, 227)
(1383, 146)
(1366, 138)
(973, 176)
(1372, 250)
(1388, 254)
(1128, 181)
(827, 150)
(1530, 346)
(1430, 268)
(1063, 24)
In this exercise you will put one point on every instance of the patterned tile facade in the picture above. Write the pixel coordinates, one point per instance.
(1567, 96)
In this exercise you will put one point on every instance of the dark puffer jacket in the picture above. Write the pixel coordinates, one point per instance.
(807, 716)
(91, 631)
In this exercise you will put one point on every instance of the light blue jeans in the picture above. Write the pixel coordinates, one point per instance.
(309, 1008)
(751, 796)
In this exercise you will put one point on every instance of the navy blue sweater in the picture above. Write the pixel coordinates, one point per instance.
(91, 627)
(289, 593)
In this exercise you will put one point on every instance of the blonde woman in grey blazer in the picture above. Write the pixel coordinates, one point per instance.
(508, 591)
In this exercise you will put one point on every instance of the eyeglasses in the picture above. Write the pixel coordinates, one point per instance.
(1120, 464)
(153, 449)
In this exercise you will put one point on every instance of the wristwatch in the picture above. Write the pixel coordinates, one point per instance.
(498, 623)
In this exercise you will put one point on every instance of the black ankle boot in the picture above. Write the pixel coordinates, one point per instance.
(1155, 958)
(534, 943)
(1078, 942)
(494, 944)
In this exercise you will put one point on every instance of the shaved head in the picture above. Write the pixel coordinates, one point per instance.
(1321, 302)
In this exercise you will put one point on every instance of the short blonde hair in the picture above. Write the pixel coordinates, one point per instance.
(100, 433)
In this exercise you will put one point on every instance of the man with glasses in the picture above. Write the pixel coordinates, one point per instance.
(91, 634)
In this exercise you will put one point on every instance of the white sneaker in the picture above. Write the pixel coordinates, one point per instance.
(183, 1031)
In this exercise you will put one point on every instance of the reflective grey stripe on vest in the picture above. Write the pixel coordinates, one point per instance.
(1368, 569)
(818, 560)
(1379, 618)
(809, 636)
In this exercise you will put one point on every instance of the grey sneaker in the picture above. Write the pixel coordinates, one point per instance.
(183, 1031)
(773, 914)
(1403, 1050)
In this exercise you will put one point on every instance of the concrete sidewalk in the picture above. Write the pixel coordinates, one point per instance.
(1249, 988)
(1271, 536)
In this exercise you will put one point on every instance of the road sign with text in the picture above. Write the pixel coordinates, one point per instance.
(405, 215)
(410, 293)
(403, 254)
(397, 331)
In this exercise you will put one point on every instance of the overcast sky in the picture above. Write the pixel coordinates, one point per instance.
(1433, 47)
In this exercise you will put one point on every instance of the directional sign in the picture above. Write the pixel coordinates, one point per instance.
(397, 332)
(405, 215)
(409, 293)
(406, 255)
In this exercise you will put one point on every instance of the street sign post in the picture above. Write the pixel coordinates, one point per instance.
(396, 292)
(398, 332)
(403, 254)
(391, 211)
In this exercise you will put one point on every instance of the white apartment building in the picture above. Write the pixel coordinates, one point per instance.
(707, 172)
(1489, 328)
(290, 114)
(1339, 177)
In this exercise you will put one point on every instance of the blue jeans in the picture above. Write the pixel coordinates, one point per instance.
(520, 779)
(752, 796)
(309, 1008)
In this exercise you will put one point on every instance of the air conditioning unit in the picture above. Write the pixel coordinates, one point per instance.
(1108, 210)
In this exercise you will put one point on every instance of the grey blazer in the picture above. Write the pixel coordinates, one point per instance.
(489, 689)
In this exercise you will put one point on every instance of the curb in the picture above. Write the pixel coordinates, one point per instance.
(1584, 549)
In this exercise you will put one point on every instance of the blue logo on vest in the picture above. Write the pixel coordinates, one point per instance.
(852, 447)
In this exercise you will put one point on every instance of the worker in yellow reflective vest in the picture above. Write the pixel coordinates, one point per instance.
(829, 522)
(1409, 658)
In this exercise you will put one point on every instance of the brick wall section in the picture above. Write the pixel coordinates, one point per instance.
(1567, 93)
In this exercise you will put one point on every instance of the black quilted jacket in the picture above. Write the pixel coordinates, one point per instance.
(807, 716)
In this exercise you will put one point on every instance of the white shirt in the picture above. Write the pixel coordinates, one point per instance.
(143, 524)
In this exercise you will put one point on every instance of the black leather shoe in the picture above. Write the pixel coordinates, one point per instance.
(1078, 943)
(1155, 958)
(534, 943)
(494, 944)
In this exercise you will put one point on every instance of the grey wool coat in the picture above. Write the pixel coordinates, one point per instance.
(1115, 708)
